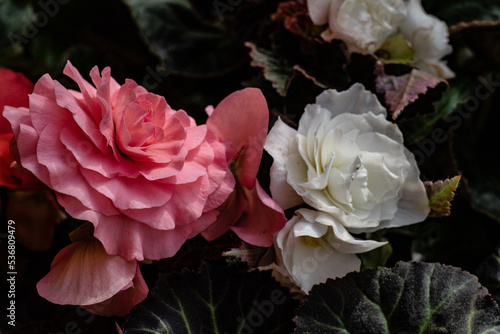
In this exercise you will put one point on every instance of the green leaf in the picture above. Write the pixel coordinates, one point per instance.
(185, 44)
(395, 50)
(277, 70)
(440, 194)
(220, 299)
(459, 91)
(412, 297)
(377, 257)
(456, 11)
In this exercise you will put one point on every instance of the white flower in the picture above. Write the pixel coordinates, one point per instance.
(313, 247)
(364, 25)
(347, 160)
(428, 36)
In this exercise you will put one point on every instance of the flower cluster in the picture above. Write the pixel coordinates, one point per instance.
(139, 179)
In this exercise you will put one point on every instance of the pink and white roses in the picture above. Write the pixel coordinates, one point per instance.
(364, 25)
(145, 175)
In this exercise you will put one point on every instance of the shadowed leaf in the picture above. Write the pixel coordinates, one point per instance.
(185, 43)
(220, 299)
(409, 298)
(276, 70)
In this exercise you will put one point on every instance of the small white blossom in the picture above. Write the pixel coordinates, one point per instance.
(313, 247)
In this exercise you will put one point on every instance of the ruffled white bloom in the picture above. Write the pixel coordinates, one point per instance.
(364, 25)
(347, 160)
(428, 36)
(313, 247)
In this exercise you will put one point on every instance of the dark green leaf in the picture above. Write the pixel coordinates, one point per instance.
(377, 257)
(456, 11)
(474, 144)
(440, 194)
(459, 91)
(16, 24)
(220, 299)
(276, 70)
(410, 298)
(489, 273)
(185, 43)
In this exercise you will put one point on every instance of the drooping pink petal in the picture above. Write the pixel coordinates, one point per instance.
(121, 303)
(242, 119)
(261, 218)
(229, 212)
(84, 274)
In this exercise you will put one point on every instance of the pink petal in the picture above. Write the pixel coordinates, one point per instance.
(26, 140)
(222, 179)
(14, 90)
(64, 175)
(127, 193)
(88, 91)
(261, 218)
(69, 106)
(121, 303)
(84, 274)
(242, 119)
(229, 212)
(136, 241)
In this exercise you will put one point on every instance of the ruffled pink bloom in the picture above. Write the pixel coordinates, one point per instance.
(145, 175)
(84, 274)
(241, 121)
(14, 90)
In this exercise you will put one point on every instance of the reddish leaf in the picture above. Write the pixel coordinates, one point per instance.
(401, 91)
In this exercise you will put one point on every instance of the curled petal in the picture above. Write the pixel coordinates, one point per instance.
(261, 218)
(121, 303)
(84, 274)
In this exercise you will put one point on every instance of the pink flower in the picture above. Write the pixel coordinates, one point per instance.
(145, 175)
(84, 274)
(14, 90)
(241, 120)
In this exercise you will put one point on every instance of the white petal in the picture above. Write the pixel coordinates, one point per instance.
(428, 36)
(282, 193)
(355, 100)
(413, 205)
(318, 10)
(278, 146)
(308, 270)
(278, 141)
